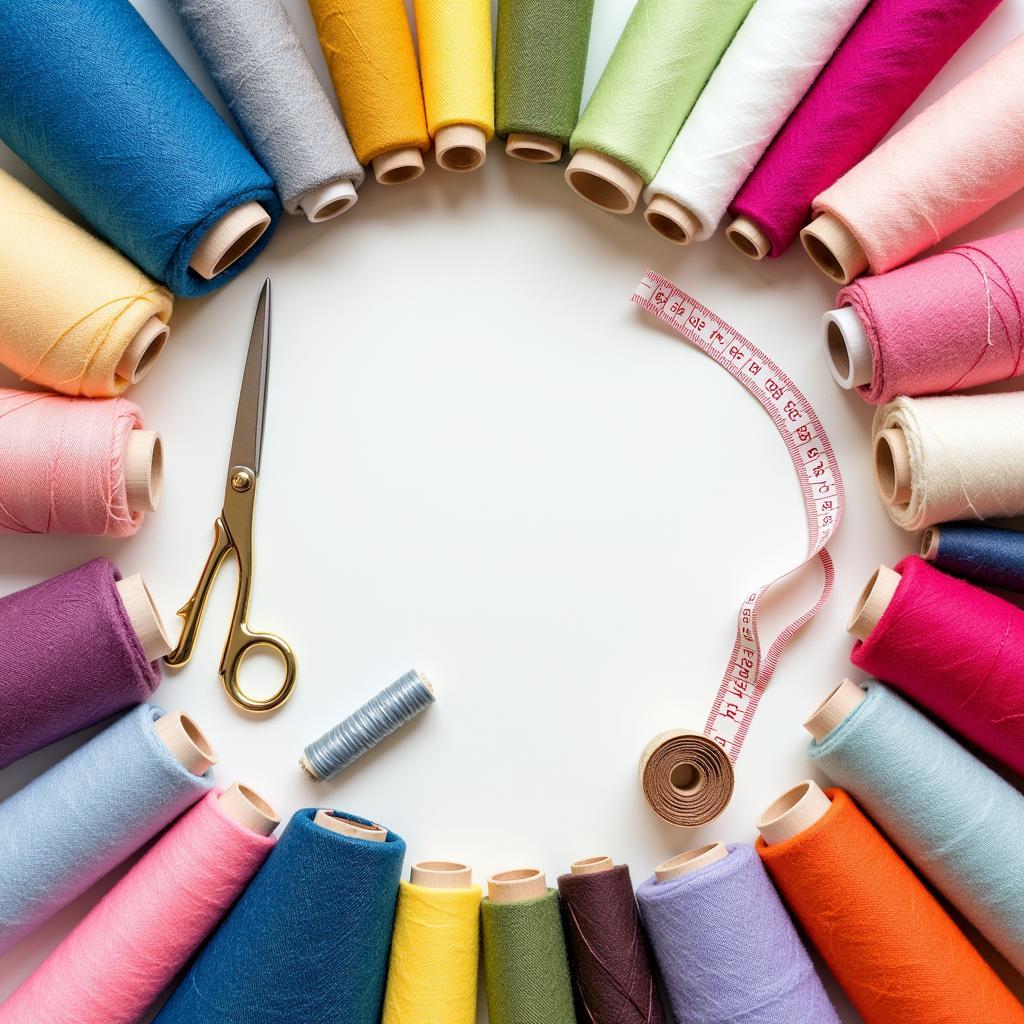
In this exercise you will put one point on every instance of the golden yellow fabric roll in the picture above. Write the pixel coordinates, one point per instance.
(434, 956)
(369, 53)
(457, 63)
(69, 304)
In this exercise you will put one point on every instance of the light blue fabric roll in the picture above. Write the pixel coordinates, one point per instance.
(954, 818)
(71, 825)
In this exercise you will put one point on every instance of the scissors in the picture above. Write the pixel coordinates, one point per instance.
(233, 533)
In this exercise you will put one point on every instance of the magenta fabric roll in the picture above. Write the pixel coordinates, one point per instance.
(69, 657)
(895, 49)
(950, 322)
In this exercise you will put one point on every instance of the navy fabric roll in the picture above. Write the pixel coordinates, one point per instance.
(308, 941)
(982, 554)
(94, 103)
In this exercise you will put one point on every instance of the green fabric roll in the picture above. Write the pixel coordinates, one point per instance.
(661, 62)
(526, 963)
(542, 56)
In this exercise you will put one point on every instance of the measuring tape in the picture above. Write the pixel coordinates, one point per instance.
(686, 778)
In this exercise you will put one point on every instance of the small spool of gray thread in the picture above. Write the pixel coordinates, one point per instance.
(380, 716)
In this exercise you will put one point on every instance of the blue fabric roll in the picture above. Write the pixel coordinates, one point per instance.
(92, 101)
(953, 817)
(308, 941)
(71, 825)
(982, 554)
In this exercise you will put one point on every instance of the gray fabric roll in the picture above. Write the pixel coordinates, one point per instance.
(257, 62)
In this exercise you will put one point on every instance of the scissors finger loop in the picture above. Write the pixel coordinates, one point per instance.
(245, 643)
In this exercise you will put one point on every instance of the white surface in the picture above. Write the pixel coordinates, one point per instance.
(482, 462)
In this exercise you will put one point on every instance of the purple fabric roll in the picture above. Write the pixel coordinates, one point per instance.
(727, 949)
(69, 657)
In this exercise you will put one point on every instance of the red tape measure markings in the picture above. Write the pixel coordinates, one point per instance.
(748, 673)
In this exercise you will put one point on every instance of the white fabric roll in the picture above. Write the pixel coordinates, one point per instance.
(774, 58)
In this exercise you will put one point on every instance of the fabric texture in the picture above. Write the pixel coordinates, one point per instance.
(666, 53)
(956, 821)
(63, 469)
(368, 48)
(540, 64)
(316, 920)
(611, 964)
(895, 951)
(119, 130)
(727, 949)
(69, 304)
(896, 48)
(525, 962)
(117, 960)
(68, 658)
(67, 828)
(434, 956)
(775, 57)
(978, 340)
(982, 554)
(956, 650)
(952, 163)
(254, 56)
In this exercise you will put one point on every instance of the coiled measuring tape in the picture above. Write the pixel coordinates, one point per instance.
(687, 776)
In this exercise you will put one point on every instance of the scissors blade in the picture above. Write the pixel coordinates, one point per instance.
(247, 442)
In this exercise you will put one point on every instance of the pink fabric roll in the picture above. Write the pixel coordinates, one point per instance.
(114, 964)
(947, 323)
(952, 163)
(895, 49)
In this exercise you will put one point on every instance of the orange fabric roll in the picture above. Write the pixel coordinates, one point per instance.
(895, 951)
(369, 53)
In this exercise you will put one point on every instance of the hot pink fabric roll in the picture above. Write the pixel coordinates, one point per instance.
(954, 161)
(950, 322)
(122, 955)
(895, 49)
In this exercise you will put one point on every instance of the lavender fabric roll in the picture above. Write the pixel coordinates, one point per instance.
(68, 658)
(727, 950)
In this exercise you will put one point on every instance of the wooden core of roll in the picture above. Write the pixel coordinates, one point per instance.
(144, 617)
(441, 874)
(143, 470)
(748, 238)
(930, 543)
(460, 147)
(398, 166)
(327, 201)
(794, 812)
(893, 476)
(873, 601)
(591, 866)
(834, 709)
(517, 886)
(604, 181)
(671, 220)
(185, 742)
(535, 149)
(138, 358)
(229, 239)
(847, 348)
(834, 250)
(249, 809)
(692, 860)
(347, 827)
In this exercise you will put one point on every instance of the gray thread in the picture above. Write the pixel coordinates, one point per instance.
(380, 716)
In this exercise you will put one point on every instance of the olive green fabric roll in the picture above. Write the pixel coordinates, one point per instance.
(526, 963)
(542, 56)
(660, 64)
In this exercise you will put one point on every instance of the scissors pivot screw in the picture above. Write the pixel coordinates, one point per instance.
(241, 480)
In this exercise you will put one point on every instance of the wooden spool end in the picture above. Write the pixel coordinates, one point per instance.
(441, 874)
(144, 617)
(249, 809)
(229, 239)
(873, 601)
(834, 709)
(748, 238)
(347, 827)
(591, 866)
(833, 249)
(604, 181)
(143, 470)
(671, 220)
(534, 149)
(138, 358)
(328, 201)
(930, 543)
(794, 812)
(186, 742)
(398, 166)
(460, 148)
(517, 886)
(691, 861)
(847, 349)
(893, 475)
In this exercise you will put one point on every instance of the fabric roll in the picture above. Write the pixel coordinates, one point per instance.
(308, 940)
(254, 56)
(983, 554)
(119, 130)
(70, 826)
(68, 659)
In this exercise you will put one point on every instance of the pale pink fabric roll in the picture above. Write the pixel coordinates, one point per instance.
(114, 964)
(954, 161)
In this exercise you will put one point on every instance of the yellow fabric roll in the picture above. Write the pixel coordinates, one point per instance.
(369, 53)
(457, 63)
(434, 955)
(69, 304)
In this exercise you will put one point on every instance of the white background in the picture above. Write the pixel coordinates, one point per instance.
(483, 462)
